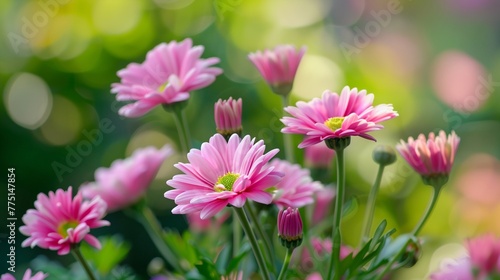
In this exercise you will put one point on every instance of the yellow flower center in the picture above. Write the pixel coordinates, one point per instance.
(334, 123)
(226, 182)
(162, 87)
(63, 228)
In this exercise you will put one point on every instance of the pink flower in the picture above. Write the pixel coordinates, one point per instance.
(319, 156)
(223, 173)
(168, 74)
(27, 276)
(324, 198)
(126, 181)
(454, 270)
(59, 221)
(484, 252)
(314, 276)
(278, 66)
(296, 188)
(196, 224)
(334, 116)
(290, 227)
(433, 157)
(228, 116)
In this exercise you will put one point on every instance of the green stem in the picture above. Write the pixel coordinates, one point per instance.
(287, 138)
(339, 202)
(253, 241)
(248, 208)
(182, 128)
(75, 250)
(428, 212)
(286, 262)
(370, 206)
(155, 231)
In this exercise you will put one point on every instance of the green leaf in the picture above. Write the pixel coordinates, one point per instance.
(207, 269)
(222, 260)
(378, 233)
(113, 251)
(233, 264)
(350, 207)
(181, 246)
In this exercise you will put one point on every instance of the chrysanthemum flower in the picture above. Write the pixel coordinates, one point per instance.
(290, 227)
(432, 158)
(126, 181)
(296, 188)
(223, 173)
(168, 74)
(484, 252)
(334, 116)
(27, 276)
(278, 66)
(60, 221)
(227, 115)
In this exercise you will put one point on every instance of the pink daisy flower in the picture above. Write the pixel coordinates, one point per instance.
(432, 157)
(227, 115)
(60, 221)
(278, 66)
(296, 188)
(223, 173)
(27, 276)
(454, 269)
(336, 116)
(168, 74)
(484, 252)
(126, 181)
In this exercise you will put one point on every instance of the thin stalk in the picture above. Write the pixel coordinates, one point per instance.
(260, 232)
(370, 206)
(286, 262)
(339, 203)
(253, 241)
(428, 211)
(155, 231)
(75, 250)
(182, 128)
(287, 138)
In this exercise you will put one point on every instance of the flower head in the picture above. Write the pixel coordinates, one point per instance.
(290, 227)
(223, 173)
(484, 252)
(228, 116)
(127, 180)
(296, 189)
(432, 158)
(336, 116)
(59, 221)
(278, 66)
(168, 74)
(27, 276)
(454, 269)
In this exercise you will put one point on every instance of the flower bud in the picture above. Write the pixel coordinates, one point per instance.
(290, 227)
(228, 117)
(384, 155)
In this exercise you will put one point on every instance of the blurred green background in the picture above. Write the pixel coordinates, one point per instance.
(438, 62)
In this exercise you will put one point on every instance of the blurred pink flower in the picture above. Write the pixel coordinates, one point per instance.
(59, 221)
(321, 247)
(454, 270)
(324, 198)
(484, 252)
(460, 81)
(223, 173)
(318, 156)
(296, 188)
(278, 66)
(126, 181)
(334, 116)
(430, 157)
(290, 227)
(314, 276)
(168, 74)
(27, 276)
(196, 224)
(479, 200)
(227, 115)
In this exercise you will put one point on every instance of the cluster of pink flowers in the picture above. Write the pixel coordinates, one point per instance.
(482, 262)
